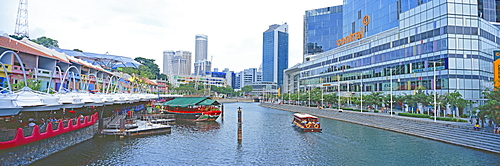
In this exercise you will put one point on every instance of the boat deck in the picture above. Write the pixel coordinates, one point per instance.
(143, 127)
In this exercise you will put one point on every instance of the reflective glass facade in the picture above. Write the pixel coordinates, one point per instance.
(275, 53)
(322, 27)
(439, 37)
(384, 14)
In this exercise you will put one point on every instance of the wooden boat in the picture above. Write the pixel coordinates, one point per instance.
(306, 122)
(193, 108)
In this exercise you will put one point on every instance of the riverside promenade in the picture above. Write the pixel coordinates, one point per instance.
(457, 133)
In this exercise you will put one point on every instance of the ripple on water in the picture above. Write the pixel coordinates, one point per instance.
(268, 139)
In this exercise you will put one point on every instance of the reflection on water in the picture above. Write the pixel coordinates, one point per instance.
(182, 125)
(269, 138)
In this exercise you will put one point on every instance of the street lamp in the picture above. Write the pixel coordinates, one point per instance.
(435, 93)
(289, 96)
(361, 92)
(322, 96)
(298, 94)
(390, 70)
(338, 102)
(309, 105)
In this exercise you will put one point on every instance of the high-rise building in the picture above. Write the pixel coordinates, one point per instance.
(167, 62)
(322, 27)
(201, 62)
(248, 76)
(177, 63)
(403, 46)
(275, 53)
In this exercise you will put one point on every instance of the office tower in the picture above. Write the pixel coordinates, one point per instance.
(402, 47)
(177, 63)
(275, 53)
(322, 28)
(201, 61)
(167, 62)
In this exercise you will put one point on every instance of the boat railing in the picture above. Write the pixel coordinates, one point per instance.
(20, 139)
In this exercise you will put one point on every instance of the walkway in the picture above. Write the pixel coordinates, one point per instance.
(458, 133)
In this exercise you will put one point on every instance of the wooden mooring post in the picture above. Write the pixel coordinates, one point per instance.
(239, 125)
(222, 113)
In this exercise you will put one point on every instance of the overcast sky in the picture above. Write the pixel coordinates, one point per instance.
(146, 28)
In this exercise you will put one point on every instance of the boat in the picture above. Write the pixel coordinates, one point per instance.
(138, 127)
(193, 108)
(306, 122)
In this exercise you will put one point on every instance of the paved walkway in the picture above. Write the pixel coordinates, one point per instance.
(458, 133)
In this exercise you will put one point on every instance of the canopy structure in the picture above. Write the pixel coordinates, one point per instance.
(105, 60)
(190, 101)
(209, 102)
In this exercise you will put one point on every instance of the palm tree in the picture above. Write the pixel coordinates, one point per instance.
(375, 98)
(455, 99)
(491, 106)
(420, 98)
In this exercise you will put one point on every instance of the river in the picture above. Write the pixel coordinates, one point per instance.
(268, 139)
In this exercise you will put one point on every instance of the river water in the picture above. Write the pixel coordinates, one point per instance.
(268, 139)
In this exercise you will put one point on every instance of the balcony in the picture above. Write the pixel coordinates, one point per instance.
(8, 67)
(58, 74)
(19, 70)
(43, 73)
(75, 75)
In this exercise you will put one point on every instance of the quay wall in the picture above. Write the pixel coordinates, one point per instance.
(457, 133)
(26, 154)
(236, 100)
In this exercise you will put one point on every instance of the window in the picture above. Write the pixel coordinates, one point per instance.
(353, 27)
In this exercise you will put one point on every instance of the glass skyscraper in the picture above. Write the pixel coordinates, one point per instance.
(396, 45)
(201, 62)
(322, 27)
(275, 53)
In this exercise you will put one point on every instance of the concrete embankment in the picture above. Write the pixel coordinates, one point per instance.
(457, 133)
(236, 100)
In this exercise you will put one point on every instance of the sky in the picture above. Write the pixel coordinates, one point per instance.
(146, 28)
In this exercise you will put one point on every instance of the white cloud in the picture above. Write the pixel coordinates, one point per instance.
(146, 28)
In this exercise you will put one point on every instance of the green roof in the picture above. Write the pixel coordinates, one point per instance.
(209, 102)
(190, 101)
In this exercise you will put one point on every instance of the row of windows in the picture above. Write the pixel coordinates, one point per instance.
(490, 36)
(407, 85)
(423, 83)
(420, 49)
(408, 67)
(388, 56)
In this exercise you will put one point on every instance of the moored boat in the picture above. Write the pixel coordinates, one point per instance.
(306, 122)
(193, 108)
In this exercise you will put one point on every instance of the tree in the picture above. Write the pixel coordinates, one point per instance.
(32, 83)
(77, 50)
(419, 97)
(491, 106)
(455, 99)
(247, 89)
(375, 98)
(47, 42)
(187, 88)
(17, 37)
(148, 69)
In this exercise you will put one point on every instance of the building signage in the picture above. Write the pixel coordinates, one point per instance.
(496, 69)
(356, 35)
